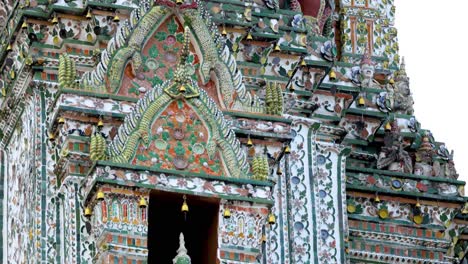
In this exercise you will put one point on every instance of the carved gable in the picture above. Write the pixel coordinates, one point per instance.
(179, 139)
(144, 54)
(177, 126)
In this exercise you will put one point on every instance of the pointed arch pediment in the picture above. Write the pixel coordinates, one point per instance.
(144, 51)
(179, 133)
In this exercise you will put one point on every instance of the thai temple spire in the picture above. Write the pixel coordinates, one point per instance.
(182, 257)
(401, 73)
(269, 131)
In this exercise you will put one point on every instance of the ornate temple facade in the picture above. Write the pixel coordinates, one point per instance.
(217, 131)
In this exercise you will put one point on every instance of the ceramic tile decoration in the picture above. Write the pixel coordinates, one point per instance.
(289, 124)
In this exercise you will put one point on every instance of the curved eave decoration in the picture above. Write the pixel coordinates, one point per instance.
(125, 47)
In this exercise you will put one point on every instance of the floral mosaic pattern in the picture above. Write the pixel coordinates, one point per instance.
(328, 185)
(180, 183)
(404, 184)
(245, 227)
(179, 140)
(301, 195)
(159, 59)
(119, 211)
(21, 226)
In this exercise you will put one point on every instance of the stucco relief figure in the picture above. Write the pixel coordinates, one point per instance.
(367, 71)
(403, 101)
(5, 11)
(363, 75)
(446, 166)
(393, 155)
(424, 159)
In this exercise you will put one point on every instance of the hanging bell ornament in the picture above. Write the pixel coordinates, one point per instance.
(116, 18)
(9, 48)
(61, 120)
(303, 63)
(88, 212)
(184, 208)
(277, 47)
(361, 101)
(249, 142)
(142, 203)
(249, 36)
(182, 89)
(24, 25)
(418, 204)
(227, 213)
(51, 137)
(89, 15)
(100, 196)
(271, 219)
(465, 209)
(332, 75)
(287, 150)
(388, 126)
(279, 172)
(377, 198)
(100, 124)
(179, 2)
(224, 32)
(55, 20)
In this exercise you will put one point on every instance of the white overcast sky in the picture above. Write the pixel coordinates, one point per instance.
(432, 37)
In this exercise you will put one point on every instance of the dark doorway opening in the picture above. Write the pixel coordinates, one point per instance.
(166, 222)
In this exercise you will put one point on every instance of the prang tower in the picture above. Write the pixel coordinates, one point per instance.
(217, 131)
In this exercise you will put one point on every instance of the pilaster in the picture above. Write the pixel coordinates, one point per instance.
(119, 224)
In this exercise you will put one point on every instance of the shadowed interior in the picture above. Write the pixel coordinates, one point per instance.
(166, 221)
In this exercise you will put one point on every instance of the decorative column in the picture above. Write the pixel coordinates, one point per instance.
(310, 198)
(119, 223)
